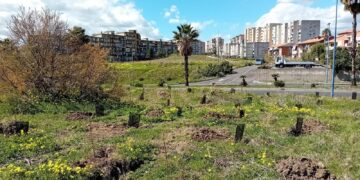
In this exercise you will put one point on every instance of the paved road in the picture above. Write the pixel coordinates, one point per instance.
(231, 79)
(290, 91)
(291, 76)
(322, 92)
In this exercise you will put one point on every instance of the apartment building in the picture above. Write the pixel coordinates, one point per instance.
(256, 50)
(236, 47)
(215, 46)
(255, 34)
(128, 46)
(282, 33)
(198, 47)
(302, 30)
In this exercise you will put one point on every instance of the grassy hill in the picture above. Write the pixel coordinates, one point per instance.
(170, 69)
(194, 143)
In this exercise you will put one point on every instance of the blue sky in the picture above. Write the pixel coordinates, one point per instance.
(157, 19)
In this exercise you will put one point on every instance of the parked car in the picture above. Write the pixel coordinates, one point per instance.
(259, 61)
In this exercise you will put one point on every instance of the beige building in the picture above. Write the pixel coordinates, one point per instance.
(282, 33)
(236, 47)
(215, 46)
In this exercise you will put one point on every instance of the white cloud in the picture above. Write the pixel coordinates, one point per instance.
(289, 10)
(94, 16)
(173, 16)
(202, 25)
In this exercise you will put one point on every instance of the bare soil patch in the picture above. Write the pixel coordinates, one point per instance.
(101, 130)
(75, 116)
(303, 168)
(155, 113)
(311, 127)
(314, 126)
(175, 141)
(207, 134)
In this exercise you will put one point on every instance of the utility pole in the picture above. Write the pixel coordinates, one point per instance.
(327, 54)
(334, 53)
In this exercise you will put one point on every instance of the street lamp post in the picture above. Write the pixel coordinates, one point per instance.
(334, 52)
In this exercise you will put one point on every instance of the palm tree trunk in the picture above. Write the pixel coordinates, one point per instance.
(353, 53)
(186, 59)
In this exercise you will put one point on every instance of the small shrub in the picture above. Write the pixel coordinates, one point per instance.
(279, 84)
(169, 79)
(142, 96)
(203, 100)
(134, 120)
(161, 83)
(99, 110)
(141, 79)
(275, 76)
(138, 84)
(189, 90)
(243, 83)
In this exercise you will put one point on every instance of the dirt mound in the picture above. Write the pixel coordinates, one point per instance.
(208, 134)
(74, 116)
(106, 168)
(216, 115)
(155, 113)
(356, 113)
(310, 127)
(303, 168)
(163, 94)
(101, 130)
(313, 126)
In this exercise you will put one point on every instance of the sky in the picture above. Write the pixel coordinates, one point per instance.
(156, 19)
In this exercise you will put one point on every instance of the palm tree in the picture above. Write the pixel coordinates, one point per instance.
(354, 8)
(184, 35)
(326, 32)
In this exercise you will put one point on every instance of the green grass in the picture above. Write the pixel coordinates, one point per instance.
(166, 146)
(170, 69)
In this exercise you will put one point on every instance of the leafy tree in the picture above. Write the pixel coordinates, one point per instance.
(317, 51)
(77, 35)
(44, 63)
(184, 35)
(354, 8)
(149, 53)
(342, 60)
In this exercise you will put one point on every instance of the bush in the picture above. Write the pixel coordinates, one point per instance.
(141, 79)
(161, 83)
(279, 84)
(264, 66)
(219, 70)
(18, 105)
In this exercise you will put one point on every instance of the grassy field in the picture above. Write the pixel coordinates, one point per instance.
(170, 69)
(170, 144)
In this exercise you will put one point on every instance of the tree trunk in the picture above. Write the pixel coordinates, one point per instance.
(353, 52)
(186, 58)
